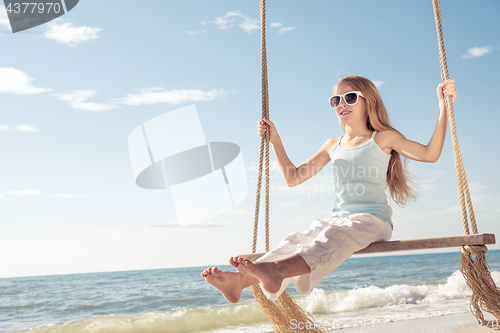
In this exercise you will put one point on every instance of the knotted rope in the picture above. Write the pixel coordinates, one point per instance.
(284, 310)
(474, 268)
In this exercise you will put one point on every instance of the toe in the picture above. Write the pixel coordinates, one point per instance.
(216, 272)
(206, 272)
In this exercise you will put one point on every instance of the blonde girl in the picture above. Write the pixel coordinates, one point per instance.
(366, 161)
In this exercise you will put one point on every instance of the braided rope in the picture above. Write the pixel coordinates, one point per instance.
(473, 265)
(284, 309)
(257, 198)
(265, 109)
(463, 187)
(264, 141)
(267, 194)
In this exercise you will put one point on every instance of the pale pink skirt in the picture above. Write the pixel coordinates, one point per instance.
(325, 245)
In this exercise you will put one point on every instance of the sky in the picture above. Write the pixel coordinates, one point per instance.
(72, 91)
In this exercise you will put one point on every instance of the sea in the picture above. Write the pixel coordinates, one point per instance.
(362, 292)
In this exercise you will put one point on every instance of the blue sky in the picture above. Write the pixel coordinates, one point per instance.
(72, 91)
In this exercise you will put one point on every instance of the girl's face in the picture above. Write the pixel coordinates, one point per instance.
(350, 114)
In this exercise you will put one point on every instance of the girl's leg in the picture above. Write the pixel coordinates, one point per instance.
(272, 273)
(230, 284)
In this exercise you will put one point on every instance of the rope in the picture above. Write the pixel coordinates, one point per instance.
(473, 265)
(257, 197)
(284, 309)
(264, 140)
(463, 187)
(265, 108)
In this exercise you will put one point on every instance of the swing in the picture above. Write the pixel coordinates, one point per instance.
(485, 294)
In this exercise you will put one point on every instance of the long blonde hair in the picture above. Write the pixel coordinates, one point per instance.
(398, 179)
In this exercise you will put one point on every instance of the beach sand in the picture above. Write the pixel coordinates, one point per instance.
(462, 323)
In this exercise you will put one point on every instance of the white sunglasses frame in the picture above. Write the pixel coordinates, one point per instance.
(342, 97)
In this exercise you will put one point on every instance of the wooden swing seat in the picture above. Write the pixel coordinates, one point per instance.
(413, 244)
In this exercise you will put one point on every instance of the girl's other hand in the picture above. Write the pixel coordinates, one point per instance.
(262, 127)
(447, 88)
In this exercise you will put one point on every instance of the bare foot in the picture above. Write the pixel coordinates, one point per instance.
(230, 284)
(267, 273)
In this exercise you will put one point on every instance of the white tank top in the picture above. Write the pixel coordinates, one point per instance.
(360, 180)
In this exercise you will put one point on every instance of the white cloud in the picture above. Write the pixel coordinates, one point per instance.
(477, 51)
(227, 20)
(250, 25)
(77, 99)
(15, 81)
(24, 193)
(476, 187)
(482, 202)
(426, 181)
(378, 83)
(26, 128)
(20, 128)
(159, 95)
(67, 195)
(408, 217)
(233, 18)
(69, 34)
(282, 28)
(30, 193)
(486, 206)
(197, 32)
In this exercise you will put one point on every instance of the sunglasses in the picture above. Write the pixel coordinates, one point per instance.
(350, 98)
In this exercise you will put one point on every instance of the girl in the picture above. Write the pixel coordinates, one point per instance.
(366, 160)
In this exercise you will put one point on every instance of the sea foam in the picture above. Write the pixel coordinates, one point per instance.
(319, 301)
(397, 302)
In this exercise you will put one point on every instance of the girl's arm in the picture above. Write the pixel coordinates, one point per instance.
(432, 151)
(291, 174)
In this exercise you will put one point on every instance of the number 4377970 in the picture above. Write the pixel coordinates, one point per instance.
(33, 7)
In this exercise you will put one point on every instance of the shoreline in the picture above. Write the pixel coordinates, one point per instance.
(452, 323)
(459, 323)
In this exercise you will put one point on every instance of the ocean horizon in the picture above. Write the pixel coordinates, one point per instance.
(363, 290)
